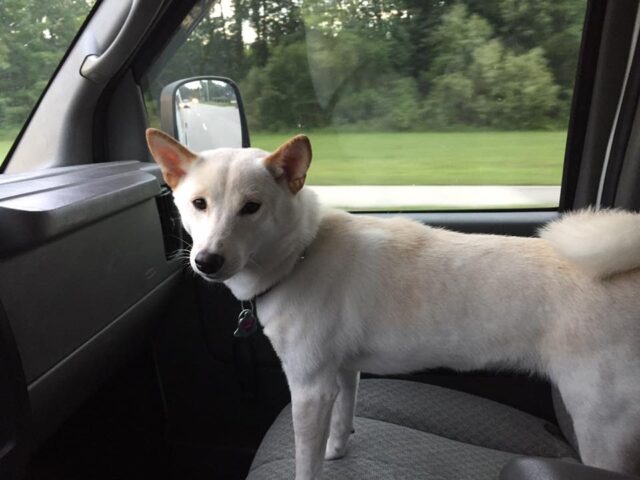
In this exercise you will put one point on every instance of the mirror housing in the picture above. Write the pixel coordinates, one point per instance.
(204, 112)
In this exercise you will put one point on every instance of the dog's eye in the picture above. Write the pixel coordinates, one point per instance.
(249, 208)
(199, 203)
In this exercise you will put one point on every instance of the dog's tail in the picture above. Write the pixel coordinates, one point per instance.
(601, 242)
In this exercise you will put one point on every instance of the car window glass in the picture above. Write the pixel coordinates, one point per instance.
(410, 105)
(33, 39)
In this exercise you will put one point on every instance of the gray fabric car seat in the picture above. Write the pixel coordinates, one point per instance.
(409, 430)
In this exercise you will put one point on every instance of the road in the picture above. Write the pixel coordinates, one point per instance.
(210, 126)
(486, 196)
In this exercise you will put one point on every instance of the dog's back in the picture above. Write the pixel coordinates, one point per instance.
(565, 305)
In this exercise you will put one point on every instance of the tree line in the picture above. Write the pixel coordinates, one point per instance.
(352, 64)
(393, 64)
(33, 39)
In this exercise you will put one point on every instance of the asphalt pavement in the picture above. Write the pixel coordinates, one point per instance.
(209, 126)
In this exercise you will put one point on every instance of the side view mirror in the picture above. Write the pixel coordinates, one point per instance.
(204, 113)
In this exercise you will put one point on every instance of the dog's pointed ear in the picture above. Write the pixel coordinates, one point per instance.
(173, 157)
(291, 161)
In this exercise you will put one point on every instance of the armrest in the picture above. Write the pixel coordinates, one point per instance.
(531, 468)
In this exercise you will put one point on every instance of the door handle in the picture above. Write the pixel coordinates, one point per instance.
(134, 19)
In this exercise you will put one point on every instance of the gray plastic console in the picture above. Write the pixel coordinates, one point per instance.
(37, 207)
(84, 276)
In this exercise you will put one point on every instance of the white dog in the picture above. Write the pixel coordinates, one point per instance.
(340, 293)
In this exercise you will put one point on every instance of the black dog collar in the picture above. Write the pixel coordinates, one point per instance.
(248, 318)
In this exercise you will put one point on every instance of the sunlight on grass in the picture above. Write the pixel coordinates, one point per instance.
(7, 136)
(5, 145)
(468, 158)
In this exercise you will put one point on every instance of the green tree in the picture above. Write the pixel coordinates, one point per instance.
(477, 81)
(346, 61)
(281, 95)
(555, 26)
(512, 90)
(393, 104)
(274, 23)
(34, 37)
(453, 41)
(392, 64)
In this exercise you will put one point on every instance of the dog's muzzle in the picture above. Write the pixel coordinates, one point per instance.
(208, 263)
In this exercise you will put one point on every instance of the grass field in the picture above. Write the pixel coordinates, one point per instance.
(7, 135)
(5, 145)
(475, 158)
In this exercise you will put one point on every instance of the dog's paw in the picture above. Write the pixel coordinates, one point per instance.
(336, 448)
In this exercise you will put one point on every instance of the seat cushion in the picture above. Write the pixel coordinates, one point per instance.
(408, 430)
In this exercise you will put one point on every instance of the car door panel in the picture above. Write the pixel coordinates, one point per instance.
(14, 404)
(83, 274)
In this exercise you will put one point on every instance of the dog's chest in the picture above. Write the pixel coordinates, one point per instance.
(278, 321)
(295, 328)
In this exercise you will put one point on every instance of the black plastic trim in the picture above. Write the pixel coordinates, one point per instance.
(14, 401)
(581, 101)
(624, 130)
(40, 206)
(173, 235)
(613, 60)
(164, 33)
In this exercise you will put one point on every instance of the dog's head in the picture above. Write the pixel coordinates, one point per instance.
(235, 203)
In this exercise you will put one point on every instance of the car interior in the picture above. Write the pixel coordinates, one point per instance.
(116, 361)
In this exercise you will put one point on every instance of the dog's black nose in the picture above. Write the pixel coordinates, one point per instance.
(209, 262)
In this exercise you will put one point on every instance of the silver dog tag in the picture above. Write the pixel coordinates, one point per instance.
(247, 324)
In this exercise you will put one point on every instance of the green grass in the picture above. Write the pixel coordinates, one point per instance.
(5, 145)
(7, 136)
(469, 158)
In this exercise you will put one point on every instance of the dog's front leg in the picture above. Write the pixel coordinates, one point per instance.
(312, 402)
(342, 416)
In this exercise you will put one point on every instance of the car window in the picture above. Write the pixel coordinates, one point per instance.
(34, 37)
(409, 105)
